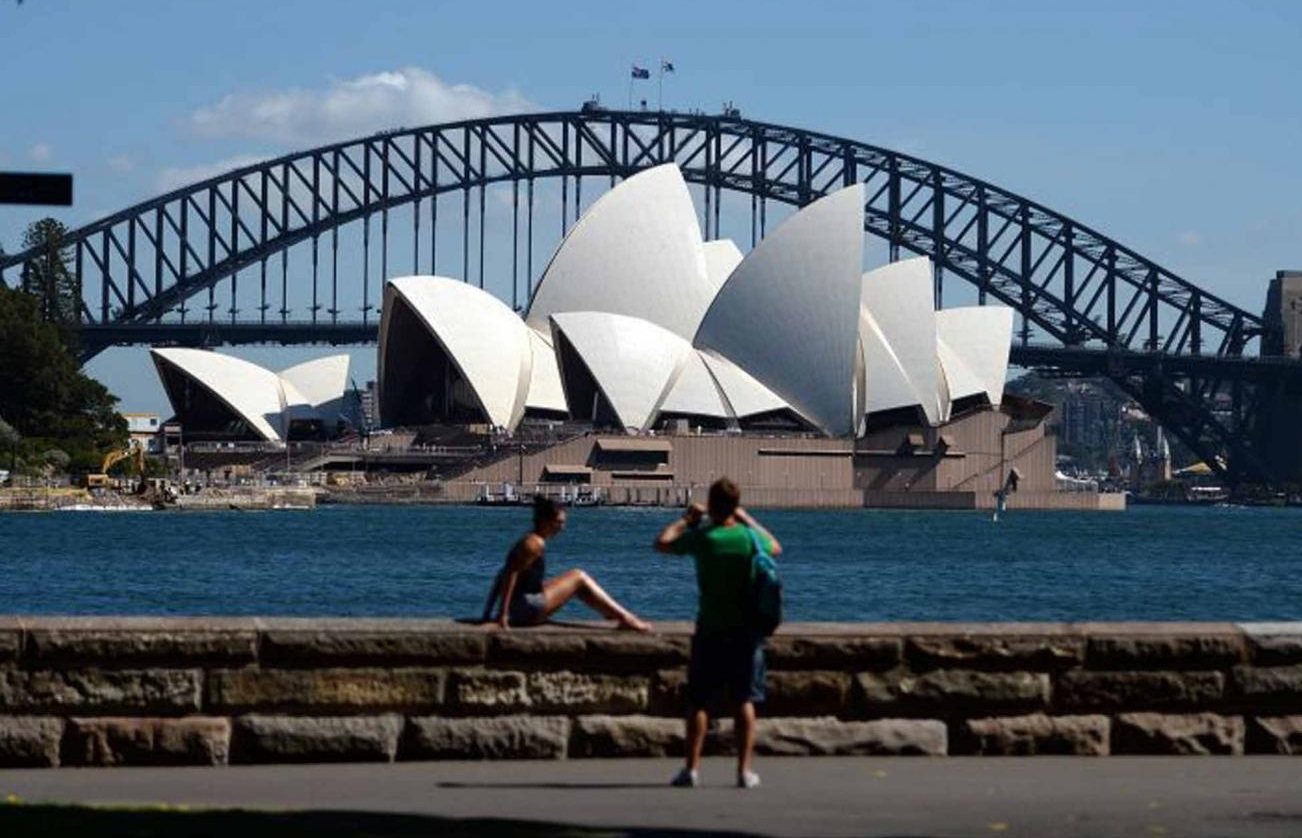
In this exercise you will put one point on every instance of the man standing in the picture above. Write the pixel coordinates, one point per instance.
(726, 672)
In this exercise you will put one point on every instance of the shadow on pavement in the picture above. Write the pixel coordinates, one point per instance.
(54, 821)
(556, 786)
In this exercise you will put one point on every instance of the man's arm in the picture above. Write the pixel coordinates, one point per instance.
(775, 548)
(665, 541)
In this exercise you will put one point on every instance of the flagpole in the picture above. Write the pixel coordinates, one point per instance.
(660, 87)
(630, 91)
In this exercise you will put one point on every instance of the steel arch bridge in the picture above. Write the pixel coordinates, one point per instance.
(1088, 304)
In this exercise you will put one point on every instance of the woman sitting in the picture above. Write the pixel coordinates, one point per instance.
(527, 598)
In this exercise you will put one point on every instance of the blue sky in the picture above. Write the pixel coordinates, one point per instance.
(1171, 126)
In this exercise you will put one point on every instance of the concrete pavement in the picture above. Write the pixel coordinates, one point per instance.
(1041, 796)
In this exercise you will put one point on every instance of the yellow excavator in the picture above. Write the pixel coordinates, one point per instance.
(135, 451)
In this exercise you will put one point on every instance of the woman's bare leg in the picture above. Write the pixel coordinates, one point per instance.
(575, 582)
(697, 722)
(745, 732)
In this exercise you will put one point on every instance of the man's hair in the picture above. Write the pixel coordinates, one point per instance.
(545, 510)
(724, 498)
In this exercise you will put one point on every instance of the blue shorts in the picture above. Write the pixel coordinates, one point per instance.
(725, 671)
(527, 609)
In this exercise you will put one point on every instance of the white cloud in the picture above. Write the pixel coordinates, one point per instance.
(178, 176)
(121, 164)
(40, 153)
(1190, 239)
(299, 117)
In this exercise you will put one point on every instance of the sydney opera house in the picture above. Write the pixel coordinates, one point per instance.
(660, 361)
(218, 397)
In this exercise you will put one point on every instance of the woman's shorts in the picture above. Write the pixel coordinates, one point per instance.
(725, 671)
(527, 609)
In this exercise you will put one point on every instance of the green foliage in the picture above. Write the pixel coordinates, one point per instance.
(49, 279)
(44, 396)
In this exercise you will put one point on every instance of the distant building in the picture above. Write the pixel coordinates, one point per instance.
(369, 404)
(144, 428)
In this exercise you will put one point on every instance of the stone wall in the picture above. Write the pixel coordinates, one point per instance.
(89, 691)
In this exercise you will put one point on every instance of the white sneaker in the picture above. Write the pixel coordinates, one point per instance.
(748, 780)
(686, 778)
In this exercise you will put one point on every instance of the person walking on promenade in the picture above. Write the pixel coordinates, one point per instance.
(727, 668)
(527, 598)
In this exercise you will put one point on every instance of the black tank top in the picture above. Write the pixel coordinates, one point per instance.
(531, 578)
(530, 581)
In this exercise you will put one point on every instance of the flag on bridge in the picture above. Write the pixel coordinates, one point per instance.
(641, 72)
(666, 66)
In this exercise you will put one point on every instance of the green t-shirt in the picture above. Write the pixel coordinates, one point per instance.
(722, 557)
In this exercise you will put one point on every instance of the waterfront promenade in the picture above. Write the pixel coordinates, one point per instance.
(1245, 796)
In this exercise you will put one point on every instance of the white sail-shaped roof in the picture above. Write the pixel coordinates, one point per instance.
(322, 383)
(901, 314)
(695, 393)
(637, 251)
(981, 337)
(886, 384)
(486, 341)
(721, 258)
(634, 362)
(250, 391)
(789, 313)
(545, 391)
(744, 395)
(959, 380)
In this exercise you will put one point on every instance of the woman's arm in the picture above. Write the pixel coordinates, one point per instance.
(673, 531)
(745, 518)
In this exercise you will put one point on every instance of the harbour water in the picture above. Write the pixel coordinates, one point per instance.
(1150, 563)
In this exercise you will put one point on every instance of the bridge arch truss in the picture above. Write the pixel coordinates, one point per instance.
(1088, 304)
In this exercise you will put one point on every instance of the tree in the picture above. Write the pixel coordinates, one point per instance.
(48, 278)
(43, 393)
(57, 459)
(10, 438)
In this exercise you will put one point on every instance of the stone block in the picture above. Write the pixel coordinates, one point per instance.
(1269, 686)
(833, 737)
(548, 692)
(325, 690)
(1033, 734)
(11, 644)
(1194, 733)
(491, 691)
(289, 648)
(30, 741)
(500, 737)
(1166, 651)
(1086, 690)
(626, 652)
(666, 696)
(994, 652)
(852, 654)
(263, 739)
(1275, 649)
(111, 648)
(1274, 735)
(950, 692)
(626, 736)
(534, 649)
(807, 693)
(152, 691)
(143, 741)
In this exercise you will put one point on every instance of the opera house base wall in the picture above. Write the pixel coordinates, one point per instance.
(958, 465)
(209, 691)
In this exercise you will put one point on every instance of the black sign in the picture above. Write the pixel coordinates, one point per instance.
(33, 188)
